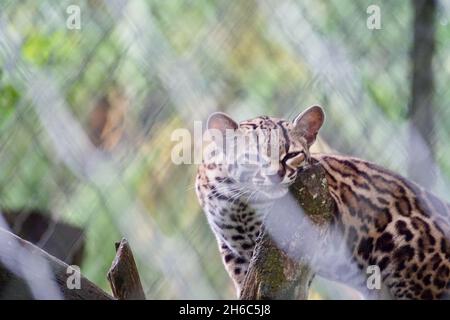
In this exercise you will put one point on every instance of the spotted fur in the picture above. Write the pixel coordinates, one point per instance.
(382, 218)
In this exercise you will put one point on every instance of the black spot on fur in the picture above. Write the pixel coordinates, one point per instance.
(427, 280)
(228, 257)
(240, 260)
(385, 243)
(445, 247)
(403, 254)
(365, 247)
(402, 229)
(426, 295)
(382, 201)
(240, 229)
(383, 263)
(436, 261)
(382, 220)
(403, 206)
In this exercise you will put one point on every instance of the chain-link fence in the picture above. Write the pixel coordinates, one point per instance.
(90, 92)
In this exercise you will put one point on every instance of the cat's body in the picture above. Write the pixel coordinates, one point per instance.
(381, 218)
(390, 222)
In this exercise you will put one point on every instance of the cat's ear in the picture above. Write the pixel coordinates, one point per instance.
(221, 121)
(308, 123)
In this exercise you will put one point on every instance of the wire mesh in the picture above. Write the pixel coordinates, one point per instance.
(86, 115)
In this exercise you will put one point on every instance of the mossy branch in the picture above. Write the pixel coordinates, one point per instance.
(278, 269)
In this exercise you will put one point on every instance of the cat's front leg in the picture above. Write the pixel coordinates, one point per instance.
(236, 266)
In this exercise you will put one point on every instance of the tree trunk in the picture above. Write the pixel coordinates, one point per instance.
(280, 269)
(421, 109)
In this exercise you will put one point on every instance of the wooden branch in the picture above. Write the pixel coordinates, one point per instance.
(276, 273)
(123, 275)
(14, 286)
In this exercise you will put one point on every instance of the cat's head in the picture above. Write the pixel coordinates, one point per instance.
(265, 153)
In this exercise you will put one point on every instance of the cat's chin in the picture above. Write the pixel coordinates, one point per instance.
(265, 192)
(270, 192)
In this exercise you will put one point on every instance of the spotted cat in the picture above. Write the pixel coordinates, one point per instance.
(382, 218)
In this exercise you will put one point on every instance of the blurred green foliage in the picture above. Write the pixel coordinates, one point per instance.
(241, 54)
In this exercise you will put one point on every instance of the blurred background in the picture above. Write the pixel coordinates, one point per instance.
(86, 114)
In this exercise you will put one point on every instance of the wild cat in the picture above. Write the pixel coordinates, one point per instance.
(384, 219)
